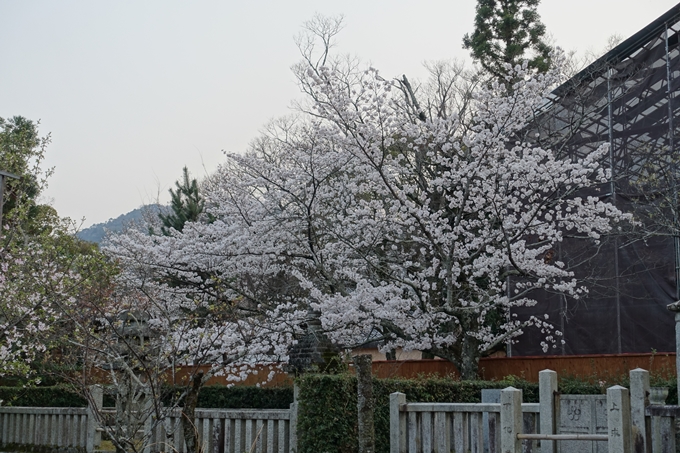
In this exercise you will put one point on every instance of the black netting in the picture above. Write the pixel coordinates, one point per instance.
(628, 98)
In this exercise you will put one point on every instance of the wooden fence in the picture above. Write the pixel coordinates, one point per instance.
(632, 424)
(219, 430)
(48, 426)
(230, 431)
(445, 427)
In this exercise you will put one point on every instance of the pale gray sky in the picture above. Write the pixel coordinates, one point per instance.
(132, 91)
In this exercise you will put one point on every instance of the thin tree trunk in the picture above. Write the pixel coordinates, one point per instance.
(189, 412)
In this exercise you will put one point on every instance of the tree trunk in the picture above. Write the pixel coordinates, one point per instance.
(365, 403)
(465, 355)
(468, 364)
(189, 412)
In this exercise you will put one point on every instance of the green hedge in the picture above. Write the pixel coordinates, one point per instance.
(245, 397)
(328, 404)
(210, 397)
(56, 396)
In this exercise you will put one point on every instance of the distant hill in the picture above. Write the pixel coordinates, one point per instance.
(96, 232)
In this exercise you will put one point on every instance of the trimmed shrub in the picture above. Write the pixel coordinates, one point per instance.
(56, 396)
(209, 398)
(245, 397)
(328, 406)
(327, 415)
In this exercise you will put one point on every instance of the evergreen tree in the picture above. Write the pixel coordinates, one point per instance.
(22, 152)
(186, 203)
(508, 31)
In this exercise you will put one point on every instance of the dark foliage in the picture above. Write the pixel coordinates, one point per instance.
(507, 32)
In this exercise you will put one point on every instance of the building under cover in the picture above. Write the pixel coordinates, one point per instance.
(628, 98)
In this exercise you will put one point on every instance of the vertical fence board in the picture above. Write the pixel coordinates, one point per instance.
(284, 439)
(228, 436)
(441, 433)
(270, 436)
(426, 431)
(476, 432)
(412, 433)
(494, 433)
(205, 434)
(239, 445)
(260, 436)
(11, 429)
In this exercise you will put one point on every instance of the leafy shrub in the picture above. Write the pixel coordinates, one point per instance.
(245, 397)
(327, 418)
(327, 415)
(56, 396)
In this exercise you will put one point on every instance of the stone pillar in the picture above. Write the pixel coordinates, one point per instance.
(675, 308)
(549, 407)
(365, 402)
(397, 424)
(677, 350)
(511, 420)
(618, 419)
(292, 430)
(490, 396)
(639, 400)
(94, 407)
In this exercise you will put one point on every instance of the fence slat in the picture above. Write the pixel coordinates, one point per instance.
(412, 432)
(477, 432)
(239, 444)
(441, 441)
(283, 436)
(494, 433)
(426, 431)
(270, 436)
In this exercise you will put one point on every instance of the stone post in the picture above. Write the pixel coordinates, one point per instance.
(293, 419)
(639, 400)
(94, 407)
(549, 409)
(363, 364)
(675, 308)
(489, 423)
(511, 420)
(618, 419)
(397, 424)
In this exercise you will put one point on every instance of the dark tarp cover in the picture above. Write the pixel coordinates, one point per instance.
(627, 98)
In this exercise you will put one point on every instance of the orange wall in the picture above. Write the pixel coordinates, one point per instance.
(490, 368)
(597, 365)
(496, 368)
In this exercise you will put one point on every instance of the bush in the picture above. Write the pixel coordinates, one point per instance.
(327, 418)
(56, 396)
(245, 397)
(328, 406)
(210, 397)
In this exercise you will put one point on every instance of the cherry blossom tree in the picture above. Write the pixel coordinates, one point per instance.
(420, 231)
(191, 317)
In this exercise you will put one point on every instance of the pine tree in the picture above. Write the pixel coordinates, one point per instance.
(186, 204)
(508, 31)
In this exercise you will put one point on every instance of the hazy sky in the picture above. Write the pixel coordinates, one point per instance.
(132, 91)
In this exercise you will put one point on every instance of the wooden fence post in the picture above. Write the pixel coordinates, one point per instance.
(94, 406)
(549, 409)
(618, 419)
(397, 424)
(511, 420)
(639, 400)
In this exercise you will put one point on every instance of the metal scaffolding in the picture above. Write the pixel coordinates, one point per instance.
(627, 99)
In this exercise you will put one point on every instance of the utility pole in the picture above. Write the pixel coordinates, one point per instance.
(3, 176)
